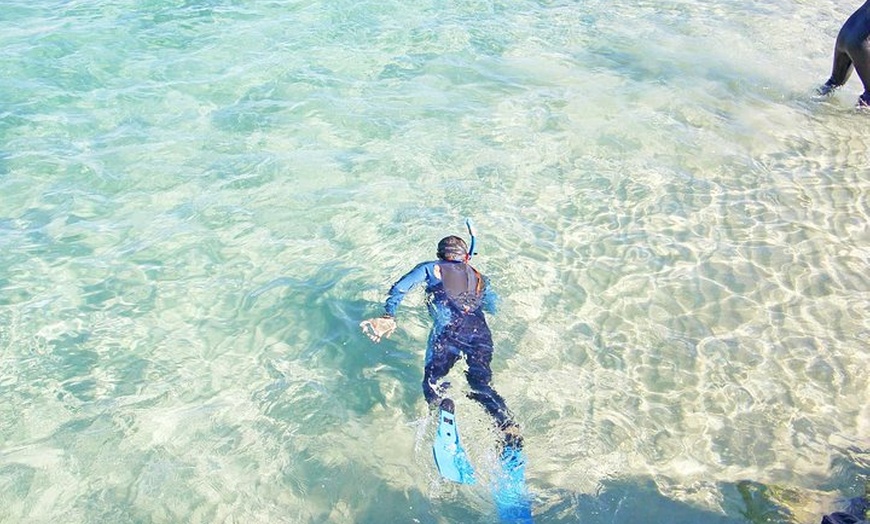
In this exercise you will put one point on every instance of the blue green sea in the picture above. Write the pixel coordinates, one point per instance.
(201, 200)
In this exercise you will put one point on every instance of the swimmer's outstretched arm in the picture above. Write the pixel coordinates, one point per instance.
(378, 328)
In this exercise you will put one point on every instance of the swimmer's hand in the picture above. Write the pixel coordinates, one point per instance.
(378, 328)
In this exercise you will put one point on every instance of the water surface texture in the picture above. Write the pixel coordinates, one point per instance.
(199, 201)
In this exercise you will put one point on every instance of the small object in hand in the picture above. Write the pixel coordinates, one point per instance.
(378, 327)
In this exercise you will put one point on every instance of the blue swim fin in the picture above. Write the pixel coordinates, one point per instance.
(512, 500)
(450, 457)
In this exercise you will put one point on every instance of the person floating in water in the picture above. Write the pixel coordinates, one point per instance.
(852, 52)
(457, 297)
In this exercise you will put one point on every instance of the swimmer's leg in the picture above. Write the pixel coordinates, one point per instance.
(479, 376)
(441, 357)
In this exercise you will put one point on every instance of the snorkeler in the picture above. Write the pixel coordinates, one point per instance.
(852, 51)
(457, 296)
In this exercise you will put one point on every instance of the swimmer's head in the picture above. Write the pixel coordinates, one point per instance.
(452, 248)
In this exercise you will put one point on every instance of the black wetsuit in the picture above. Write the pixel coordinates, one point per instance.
(852, 51)
(457, 297)
(856, 513)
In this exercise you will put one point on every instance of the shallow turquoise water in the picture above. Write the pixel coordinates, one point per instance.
(199, 201)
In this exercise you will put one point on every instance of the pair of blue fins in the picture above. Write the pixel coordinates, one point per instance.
(509, 490)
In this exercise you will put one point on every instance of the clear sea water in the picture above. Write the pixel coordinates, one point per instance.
(200, 200)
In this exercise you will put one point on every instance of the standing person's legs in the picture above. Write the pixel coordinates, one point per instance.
(860, 55)
(852, 52)
(840, 72)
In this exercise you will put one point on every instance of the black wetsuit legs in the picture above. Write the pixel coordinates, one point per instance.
(467, 335)
(479, 376)
(441, 362)
(852, 52)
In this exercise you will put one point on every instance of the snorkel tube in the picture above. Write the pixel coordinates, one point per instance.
(473, 242)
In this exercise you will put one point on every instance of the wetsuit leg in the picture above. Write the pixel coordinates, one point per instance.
(480, 379)
(441, 356)
(478, 351)
(861, 59)
(851, 52)
(840, 72)
(841, 518)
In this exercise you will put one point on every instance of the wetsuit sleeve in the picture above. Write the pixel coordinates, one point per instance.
(490, 298)
(403, 285)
